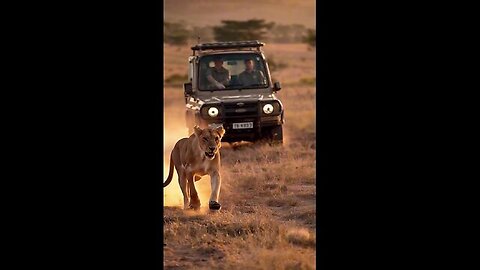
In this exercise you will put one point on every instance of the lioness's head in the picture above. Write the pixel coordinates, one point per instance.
(209, 139)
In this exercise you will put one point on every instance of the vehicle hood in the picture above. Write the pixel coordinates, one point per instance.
(236, 98)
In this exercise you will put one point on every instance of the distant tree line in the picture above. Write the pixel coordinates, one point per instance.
(242, 30)
(175, 33)
(179, 33)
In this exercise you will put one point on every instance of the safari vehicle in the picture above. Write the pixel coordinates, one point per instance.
(245, 104)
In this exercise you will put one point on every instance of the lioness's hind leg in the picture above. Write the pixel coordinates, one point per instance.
(194, 199)
(182, 180)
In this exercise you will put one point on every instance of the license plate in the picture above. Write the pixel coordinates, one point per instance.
(242, 125)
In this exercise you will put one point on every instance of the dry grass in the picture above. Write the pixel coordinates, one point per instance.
(268, 211)
(238, 240)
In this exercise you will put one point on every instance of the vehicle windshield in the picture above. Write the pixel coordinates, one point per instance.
(232, 71)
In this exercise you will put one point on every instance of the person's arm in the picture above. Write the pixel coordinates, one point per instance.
(213, 81)
(261, 77)
(210, 77)
(227, 80)
(240, 79)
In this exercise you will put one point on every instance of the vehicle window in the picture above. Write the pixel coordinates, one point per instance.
(232, 71)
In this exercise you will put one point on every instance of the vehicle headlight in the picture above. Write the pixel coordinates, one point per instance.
(213, 111)
(268, 108)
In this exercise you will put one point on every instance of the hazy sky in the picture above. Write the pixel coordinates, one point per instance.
(211, 12)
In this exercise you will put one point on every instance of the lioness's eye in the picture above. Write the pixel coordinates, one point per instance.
(205, 139)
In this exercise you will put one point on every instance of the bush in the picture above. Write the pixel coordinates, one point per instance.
(175, 33)
(241, 30)
(176, 79)
(311, 37)
(308, 81)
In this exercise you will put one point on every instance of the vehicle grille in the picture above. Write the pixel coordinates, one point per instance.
(241, 109)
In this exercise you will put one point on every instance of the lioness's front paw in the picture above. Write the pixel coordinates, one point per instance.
(195, 206)
(195, 203)
(214, 205)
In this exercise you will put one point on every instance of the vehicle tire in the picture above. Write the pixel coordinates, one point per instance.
(276, 135)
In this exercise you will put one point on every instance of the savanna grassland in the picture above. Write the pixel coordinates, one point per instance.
(267, 220)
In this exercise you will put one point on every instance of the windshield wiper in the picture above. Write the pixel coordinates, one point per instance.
(252, 85)
(232, 86)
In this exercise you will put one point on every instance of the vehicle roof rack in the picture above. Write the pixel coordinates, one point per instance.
(228, 45)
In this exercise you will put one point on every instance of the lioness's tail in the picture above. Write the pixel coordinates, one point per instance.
(170, 173)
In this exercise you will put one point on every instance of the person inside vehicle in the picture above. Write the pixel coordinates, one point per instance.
(251, 76)
(218, 76)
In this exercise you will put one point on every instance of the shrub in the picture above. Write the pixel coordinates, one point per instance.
(176, 79)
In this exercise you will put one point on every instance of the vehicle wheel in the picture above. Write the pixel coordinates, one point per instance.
(276, 136)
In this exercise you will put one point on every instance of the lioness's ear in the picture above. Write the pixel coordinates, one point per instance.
(197, 130)
(220, 130)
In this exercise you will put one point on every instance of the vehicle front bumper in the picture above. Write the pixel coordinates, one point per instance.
(261, 127)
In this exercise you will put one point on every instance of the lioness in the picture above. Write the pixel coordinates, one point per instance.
(195, 157)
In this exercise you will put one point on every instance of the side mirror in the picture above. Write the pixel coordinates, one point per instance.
(277, 86)
(187, 88)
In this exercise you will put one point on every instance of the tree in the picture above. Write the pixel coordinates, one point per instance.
(311, 37)
(241, 30)
(175, 33)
